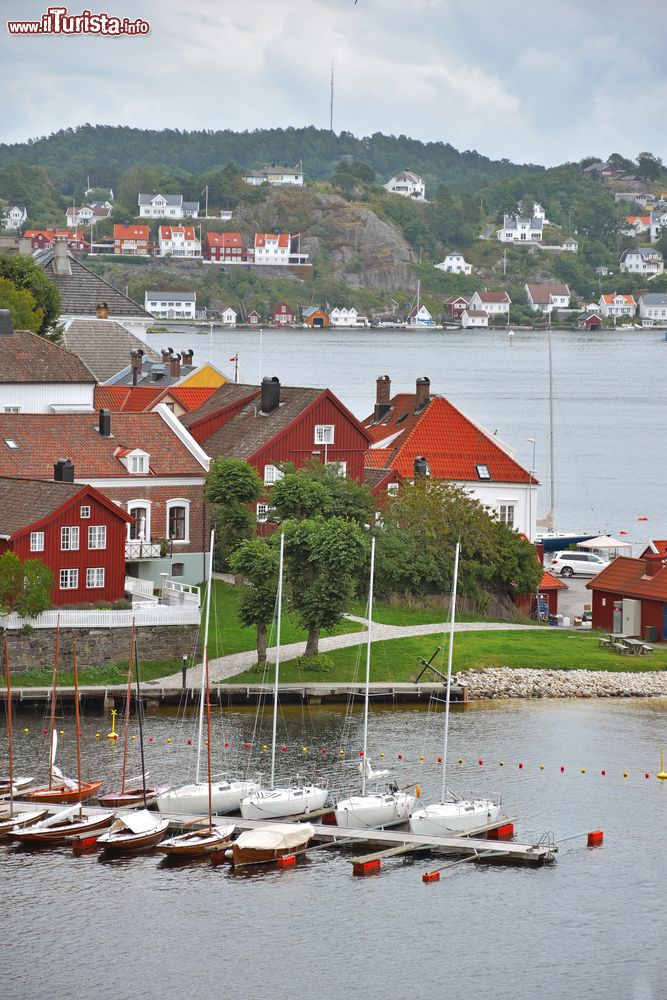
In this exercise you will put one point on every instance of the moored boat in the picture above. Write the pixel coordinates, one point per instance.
(268, 843)
(198, 841)
(133, 831)
(15, 787)
(188, 800)
(61, 827)
(20, 821)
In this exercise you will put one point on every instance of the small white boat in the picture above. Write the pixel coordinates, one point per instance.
(197, 841)
(190, 800)
(134, 831)
(16, 787)
(271, 842)
(275, 803)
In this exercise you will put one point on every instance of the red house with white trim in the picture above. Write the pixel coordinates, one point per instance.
(283, 315)
(75, 530)
(224, 247)
(637, 588)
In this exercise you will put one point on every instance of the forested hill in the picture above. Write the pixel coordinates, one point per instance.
(104, 152)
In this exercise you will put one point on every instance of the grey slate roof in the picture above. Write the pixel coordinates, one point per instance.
(648, 253)
(225, 395)
(81, 290)
(25, 501)
(103, 346)
(653, 299)
(26, 357)
(171, 296)
(514, 221)
(173, 200)
(148, 368)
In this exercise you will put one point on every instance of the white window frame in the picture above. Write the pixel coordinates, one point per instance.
(95, 582)
(144, 505)
(502, 512)
(392, 489)
(324, 434)
(84, 512)
(178, 502)
(263, 512)
(69, 579)
(97, 536)
(36, 541)
(69, 538)
(272, 474)
(483, 472)
(138, 463)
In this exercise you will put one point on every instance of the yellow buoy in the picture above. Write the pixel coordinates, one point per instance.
(341, 753)
(61, 733)
(26, 730)
(265, 747)
(168, 740)
(501, 763)
(421, 756)
(97, 736)
(113, 735)
(583, 770)
(382, 753)
(304, 749)
(662, 774)
(541, 767)
(625, 774)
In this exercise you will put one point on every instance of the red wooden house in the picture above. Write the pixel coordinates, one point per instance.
(283, 315)
(270, 424)
(455, 306)
(630, 596)
(224, 247)
(42, 239)
(253, 318)
(75, 530)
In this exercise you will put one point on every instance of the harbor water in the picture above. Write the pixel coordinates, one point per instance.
(590, 925)
(608, 397)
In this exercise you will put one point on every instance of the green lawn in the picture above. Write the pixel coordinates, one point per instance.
(396, 659)
(432, 613)
(228, 636)
(103, 676)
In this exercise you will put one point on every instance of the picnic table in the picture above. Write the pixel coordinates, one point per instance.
(636, 647)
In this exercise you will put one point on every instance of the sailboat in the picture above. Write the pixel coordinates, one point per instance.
(134, 790)
(201, 839)
(63, 790)
(226, 793)
(135, 831)
(292, 800)
(10, 819)
(66, 824)
(453, 813)
(372, 809)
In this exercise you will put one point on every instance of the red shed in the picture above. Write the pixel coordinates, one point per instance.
(548, 592)
(637, 590)
(283, 315)
(75, 530)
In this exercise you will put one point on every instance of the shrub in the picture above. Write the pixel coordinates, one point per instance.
(314, 664)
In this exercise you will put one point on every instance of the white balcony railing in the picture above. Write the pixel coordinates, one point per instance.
(135, 551)
(139, 588)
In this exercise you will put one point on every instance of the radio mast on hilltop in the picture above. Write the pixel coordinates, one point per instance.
(332, 98)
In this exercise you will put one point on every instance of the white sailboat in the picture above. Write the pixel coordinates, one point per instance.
(290, 800)
(453, 813)
(220, 796)
(372, 809)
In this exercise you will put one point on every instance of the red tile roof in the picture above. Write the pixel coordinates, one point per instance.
(130, 232)
(452, 444)
(657, 544)
(191, 396)
(550, 582)
(542, 293)
(127, 398)
(26, 357)
(166, 232)
(43, 438)
(628, 577)
(224, 239)
(262, 239)
(644, 219)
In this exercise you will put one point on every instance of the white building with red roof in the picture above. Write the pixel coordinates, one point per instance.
(178, 241)
(616, 304)
(548, 296)
(278, 248)
(423, 434)
(496, 304)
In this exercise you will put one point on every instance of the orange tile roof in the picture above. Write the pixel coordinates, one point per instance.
(224, 239)
(166, 232)
(628, 577)
(282, 239)
(660, 544)
(628, 299)
(549, 582)
(644, 219)
(191, 396)
(127, 398)
(452, 444)
(130, 232)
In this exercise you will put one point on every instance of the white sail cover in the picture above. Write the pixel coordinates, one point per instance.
(59, 776)
(278, 836)
(371, 775)
(135, 822)
(60, 817)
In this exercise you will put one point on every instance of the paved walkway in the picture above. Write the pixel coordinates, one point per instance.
(228, 666)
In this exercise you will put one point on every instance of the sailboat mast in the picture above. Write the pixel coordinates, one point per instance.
(205, 654)
(552, 480)
(450, 655)
(9, 729)
(275, 680)
(76, 722)
(368, 667)
(208, 747)
(139, 715)
(127, 708)
(53, 704)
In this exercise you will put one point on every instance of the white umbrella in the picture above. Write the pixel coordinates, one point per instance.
(604, 544)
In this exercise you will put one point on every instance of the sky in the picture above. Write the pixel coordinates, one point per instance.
(541, 81)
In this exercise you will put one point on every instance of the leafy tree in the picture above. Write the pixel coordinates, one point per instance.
(25, 273)
(24, 587)
(649, 167)
(318, 489)
(231, 485)
(25, 313)
(257, 562)
(325, 559)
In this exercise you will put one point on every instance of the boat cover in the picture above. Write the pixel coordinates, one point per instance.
(277, 836)
(135, 822)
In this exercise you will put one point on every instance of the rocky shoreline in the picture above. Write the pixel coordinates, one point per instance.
(508, 682)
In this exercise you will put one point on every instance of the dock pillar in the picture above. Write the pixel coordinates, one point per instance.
(367, 867)
(504, 832)
(108, 702)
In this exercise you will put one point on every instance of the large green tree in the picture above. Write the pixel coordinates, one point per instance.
(320, 489)
(231, 486)
(25, 273)
(256, 561)
(24, 587)
(25, 313)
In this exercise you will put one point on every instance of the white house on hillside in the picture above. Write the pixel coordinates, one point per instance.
(615, 304)
(408, 185)
(658, 221)
(454, 263)
(644, 260)
(520, 229)
(171, 305)
(278, 176)
(166, 206)
(538, 212)
(547, 297)
(653, 308)
(495, 304)
(179, 241)
(228, 316)
(13, 217)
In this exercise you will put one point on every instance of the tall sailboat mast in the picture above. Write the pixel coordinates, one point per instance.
(140, 717)
(368, 668)
(205, 654)
(52, 750)
(9, 728)
(76, 723)
(450, 656)
(277, 672)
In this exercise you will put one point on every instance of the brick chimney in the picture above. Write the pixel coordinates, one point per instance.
(136, 361)
(423, 393)
(382, 397)
(166, 354)
(63, 471)
(175, 366)
(653, 562)
(61, 264)
(187, 356)
(102, 310)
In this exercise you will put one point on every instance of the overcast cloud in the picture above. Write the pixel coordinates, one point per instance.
(532, 80)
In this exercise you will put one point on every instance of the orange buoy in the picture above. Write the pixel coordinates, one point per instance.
(431, 877)
(595, 838)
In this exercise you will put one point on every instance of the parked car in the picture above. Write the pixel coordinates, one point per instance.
(576, 564)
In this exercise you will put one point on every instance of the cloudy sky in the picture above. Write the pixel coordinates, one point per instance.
(532, 80)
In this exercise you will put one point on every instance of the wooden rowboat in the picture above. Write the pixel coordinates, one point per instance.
(196, 843)
(65, 792)
(11, 821)
(18, 785)
(68, 824)
(268, 843)
(136, 831)
(131, 797)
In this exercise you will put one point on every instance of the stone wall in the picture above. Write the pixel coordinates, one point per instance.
(34, 649)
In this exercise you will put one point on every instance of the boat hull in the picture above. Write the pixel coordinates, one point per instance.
(127, 842)
(359, 812)
(196, 843)
(278, 803)
(63, 832)
(191, 800)
(20, 785)
(269, 843)
(440, 819)
(130, 797)
(21, 821)
(62, 794)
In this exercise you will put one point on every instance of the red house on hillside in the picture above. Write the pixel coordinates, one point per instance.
(630, 596)
(75, 530)
(283, 315)
(224, 247)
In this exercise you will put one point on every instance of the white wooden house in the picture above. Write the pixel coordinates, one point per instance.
(420, 317)
(13, 217)
(166, 206)
(171, 305)
(474, 318)
(520, 229)
(496, 304)
(179, 241)
(408, 185)
(228, 316)
(653, 308)
(454, 263)
(547, 297)
(276, 176)
(643, 260)
(658, 221)
(615, 304)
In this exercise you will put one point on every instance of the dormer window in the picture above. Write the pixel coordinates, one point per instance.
(136, 462)
(483, 471)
